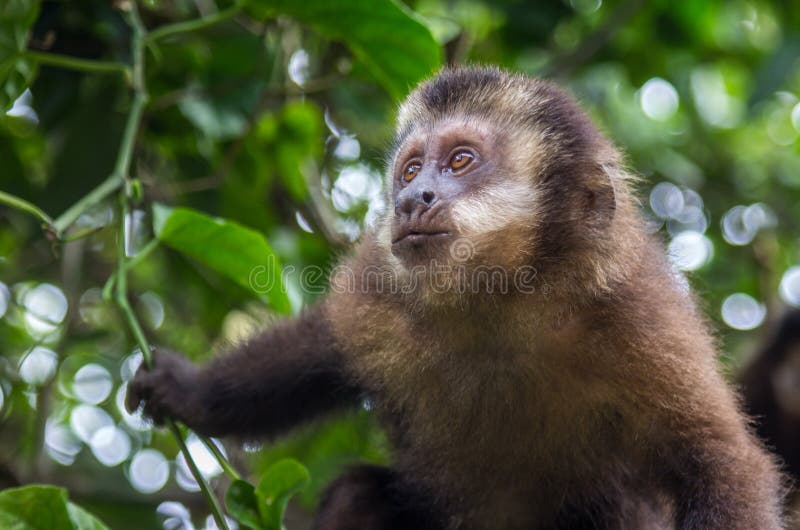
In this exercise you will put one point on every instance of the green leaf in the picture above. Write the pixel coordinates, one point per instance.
(16, 73)
(82, 519)
(235, 251)
(43, 508)
(278, 483)
(242, 503)
(390, 39)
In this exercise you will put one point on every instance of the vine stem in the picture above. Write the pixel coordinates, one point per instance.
(59, 225)
(193, 25)
(97, 195)
(121, 175)
(28, 207)
(223, 462)
(121, 298)
(76, 63)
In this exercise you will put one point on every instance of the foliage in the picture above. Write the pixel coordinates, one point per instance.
(262, 507)
(16, 72)
(43, 508)
(228, 248)
(184, 145)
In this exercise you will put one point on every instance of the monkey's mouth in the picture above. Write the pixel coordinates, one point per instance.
(418, 235)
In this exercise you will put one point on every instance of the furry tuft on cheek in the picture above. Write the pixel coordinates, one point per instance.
(495, 208)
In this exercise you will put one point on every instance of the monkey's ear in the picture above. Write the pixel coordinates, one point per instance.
(601, 197)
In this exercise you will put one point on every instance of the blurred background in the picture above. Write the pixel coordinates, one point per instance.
(277, 117)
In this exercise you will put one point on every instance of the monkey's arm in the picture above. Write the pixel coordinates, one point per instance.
(290, 374)
(726, 480)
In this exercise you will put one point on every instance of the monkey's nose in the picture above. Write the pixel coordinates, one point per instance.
(416, 202)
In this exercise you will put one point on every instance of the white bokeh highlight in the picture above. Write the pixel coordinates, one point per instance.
(790, 286)
(690, 250)
(148, 471)
(206, 462)
(742, 311)
(46, 307)
(659, 99)
(38, 366)
(85, 420)
(110, 445)
(92, 384)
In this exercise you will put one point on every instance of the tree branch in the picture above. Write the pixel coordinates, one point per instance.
(76, 63)
(121, 171)
(27, 207)
(192, 25)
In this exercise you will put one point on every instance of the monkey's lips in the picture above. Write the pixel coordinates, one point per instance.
(417, 244)
(418, 235)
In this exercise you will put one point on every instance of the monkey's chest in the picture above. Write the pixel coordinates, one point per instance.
(500, 441)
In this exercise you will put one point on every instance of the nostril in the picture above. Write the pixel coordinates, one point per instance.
(427, 197)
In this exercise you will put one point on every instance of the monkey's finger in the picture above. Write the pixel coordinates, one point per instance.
(139, 390)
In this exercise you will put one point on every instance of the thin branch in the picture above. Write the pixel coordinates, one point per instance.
(130, 264)
(27, 207)
(97, 195)
(76, 63)
(122, 166)
(226, 466)
(121, 171)
(193, 25)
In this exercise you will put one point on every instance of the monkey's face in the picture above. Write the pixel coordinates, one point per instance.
(495, 174)
(458, 195)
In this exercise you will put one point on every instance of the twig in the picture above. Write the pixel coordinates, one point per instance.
(121, 170)
(129, 265)
(76, 63)
(97, 195)
(28, 207)
(192, 25)
(226, 466)
(122, 166)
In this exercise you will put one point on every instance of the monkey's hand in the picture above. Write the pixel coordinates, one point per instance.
(170, 389)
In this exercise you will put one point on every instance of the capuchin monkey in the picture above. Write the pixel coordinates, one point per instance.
(523, 339)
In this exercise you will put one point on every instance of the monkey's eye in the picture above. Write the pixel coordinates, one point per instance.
(461, 160)
(411, 171)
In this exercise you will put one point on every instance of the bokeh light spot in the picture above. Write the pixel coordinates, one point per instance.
(175, 516)
(205, 460)
(299, 66)
(38, 366)
(153, 309)
(347, 148)
(60, 442)
(46, 307)
(110, 445)
(85, 420)
(690, 250)
(742, 311)
(658, 99)
(5, 298)
(148, 471)
(790, 286)
(135, 421)
(666, 200)
(131, 363)
(92, 384)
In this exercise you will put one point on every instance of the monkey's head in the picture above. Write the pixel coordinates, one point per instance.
(491, 169)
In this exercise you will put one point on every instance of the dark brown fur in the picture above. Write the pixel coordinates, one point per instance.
(594, 401)
(772, 395)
